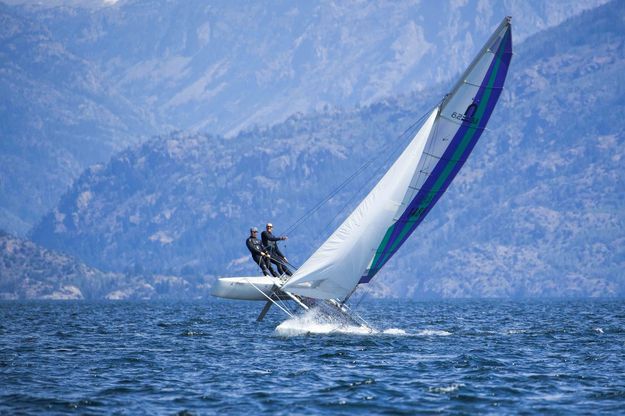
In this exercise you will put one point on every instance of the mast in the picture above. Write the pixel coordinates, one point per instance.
(505, 24)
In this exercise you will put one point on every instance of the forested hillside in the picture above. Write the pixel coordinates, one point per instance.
(83, 80)
(537, 210)
(29, 271)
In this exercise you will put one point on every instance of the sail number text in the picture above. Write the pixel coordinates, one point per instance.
(464, 117)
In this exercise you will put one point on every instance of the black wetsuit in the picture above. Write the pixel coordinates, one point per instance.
(256, 249)
(277, 257)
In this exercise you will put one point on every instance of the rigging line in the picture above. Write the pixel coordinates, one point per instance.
(347, 312)
(283, 303)
(376, 172)
(310, 212)
(327, 198)
(268, 297)
(363, 292)
(364, 295)
(281, 261)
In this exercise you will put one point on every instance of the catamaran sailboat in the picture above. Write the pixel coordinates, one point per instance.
(397, 204)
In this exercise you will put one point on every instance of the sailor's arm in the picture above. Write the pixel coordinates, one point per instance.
(267, 236)
(252, 248)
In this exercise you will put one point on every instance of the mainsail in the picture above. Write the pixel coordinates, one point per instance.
(397, 204)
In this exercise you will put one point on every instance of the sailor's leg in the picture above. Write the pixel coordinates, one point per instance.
(266, 271)
(286, 270)
(261, 263)
(281, 267)
(278, 266)
(268, 266)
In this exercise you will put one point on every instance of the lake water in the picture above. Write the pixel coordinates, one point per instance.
(533, 357)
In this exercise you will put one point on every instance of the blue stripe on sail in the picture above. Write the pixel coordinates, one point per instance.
(429, 194)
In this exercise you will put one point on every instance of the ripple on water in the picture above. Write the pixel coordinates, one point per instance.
(452, 388)
(212, 357)
(433, 333)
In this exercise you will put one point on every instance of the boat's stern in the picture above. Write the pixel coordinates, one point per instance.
(244, 288)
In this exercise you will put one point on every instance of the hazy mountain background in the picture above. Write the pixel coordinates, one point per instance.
(82, 79)
(29, 271)
(538, 210)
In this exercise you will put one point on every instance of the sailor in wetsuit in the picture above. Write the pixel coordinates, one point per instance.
(259, 253)
(270, 242)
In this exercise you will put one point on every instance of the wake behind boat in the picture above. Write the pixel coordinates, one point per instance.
(359, 248)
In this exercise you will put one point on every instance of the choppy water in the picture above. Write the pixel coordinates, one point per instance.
(208, 357)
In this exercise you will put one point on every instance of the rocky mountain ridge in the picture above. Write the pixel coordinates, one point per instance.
(80, 82)
(536, 211)
(29, 271)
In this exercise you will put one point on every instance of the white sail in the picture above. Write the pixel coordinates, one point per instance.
(334, 270)
(383, 221)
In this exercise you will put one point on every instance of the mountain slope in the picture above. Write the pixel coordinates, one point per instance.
(219, 68)
(184, 200)
(57, 117)
(538, 210)
(81, 83)
(535, 211)
(29, 271)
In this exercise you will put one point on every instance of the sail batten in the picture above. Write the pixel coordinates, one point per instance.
(389, 214)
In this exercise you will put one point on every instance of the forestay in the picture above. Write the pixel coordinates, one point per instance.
(387, 216)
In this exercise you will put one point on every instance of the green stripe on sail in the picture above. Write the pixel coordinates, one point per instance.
(384, 252)
(380, 250)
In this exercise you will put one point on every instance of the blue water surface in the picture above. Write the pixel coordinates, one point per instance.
(483, 356)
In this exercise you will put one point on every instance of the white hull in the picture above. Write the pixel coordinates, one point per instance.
(267, 289)
(243, 288)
